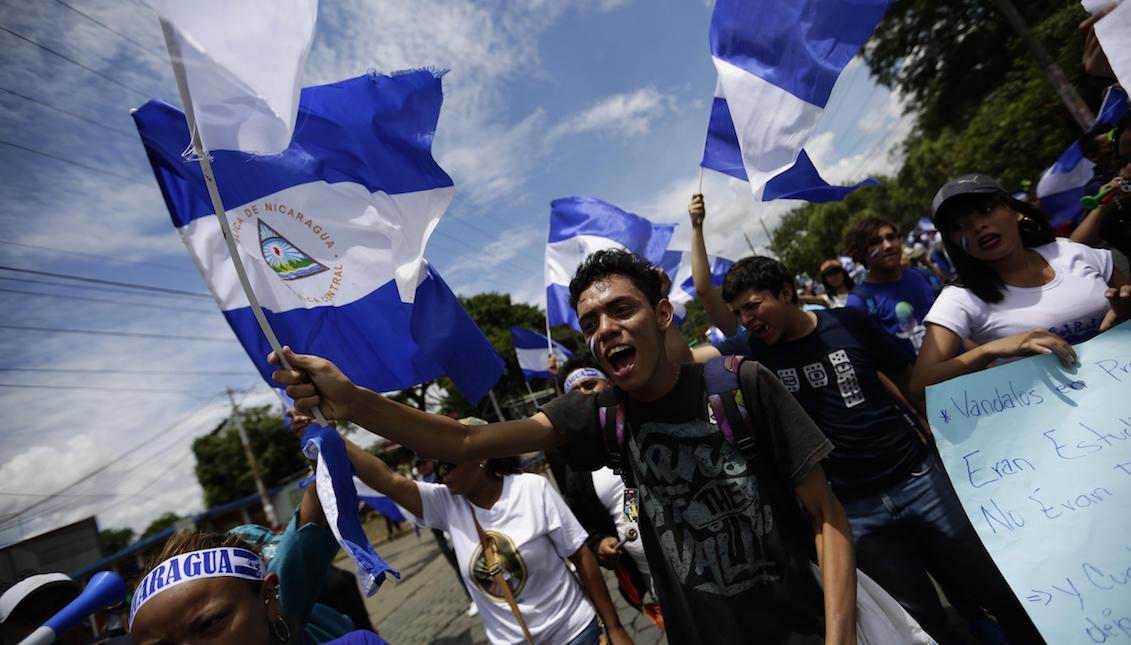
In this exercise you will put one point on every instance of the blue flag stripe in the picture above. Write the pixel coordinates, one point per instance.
(801, 47)
(573, 216)
(373, 130)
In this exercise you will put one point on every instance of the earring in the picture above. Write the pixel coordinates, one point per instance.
(281, 629)
(483, 464)
(1029, 225)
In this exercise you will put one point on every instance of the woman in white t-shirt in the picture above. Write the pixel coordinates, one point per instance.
(533, 532)
(1020, 291)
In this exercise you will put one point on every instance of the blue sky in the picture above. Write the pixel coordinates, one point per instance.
(607, 98)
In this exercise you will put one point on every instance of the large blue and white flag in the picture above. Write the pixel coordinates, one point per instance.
(532, 350)
(1062, 185)
(777, 62)
(581, 225)
(332, 232)
(677, 264)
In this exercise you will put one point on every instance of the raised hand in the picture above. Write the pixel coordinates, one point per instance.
(315, 381)
(697, 210)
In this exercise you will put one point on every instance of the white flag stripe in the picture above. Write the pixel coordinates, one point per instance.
(374, 237)
(563, 257)
(1114, 33)
(772, 123)
(535, 359)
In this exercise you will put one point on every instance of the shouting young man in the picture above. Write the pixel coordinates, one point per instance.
(728, 544)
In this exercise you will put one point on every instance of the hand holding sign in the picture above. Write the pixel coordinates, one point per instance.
(1041, 459)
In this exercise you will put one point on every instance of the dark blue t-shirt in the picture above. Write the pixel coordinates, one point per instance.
(899, 306)
(832, 372)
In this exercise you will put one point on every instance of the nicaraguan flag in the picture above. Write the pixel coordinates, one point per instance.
(242, 63)
(777, 62)
(332, 232)
(677, 264)
(378, 502)
(339, 504)
(581, 225)
(532, 348)
(1062, 185)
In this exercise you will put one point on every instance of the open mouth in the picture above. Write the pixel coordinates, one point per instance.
(989, 241)
(621, 358)
(759, 329)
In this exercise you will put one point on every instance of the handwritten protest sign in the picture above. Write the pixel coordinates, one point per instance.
(1041, 459)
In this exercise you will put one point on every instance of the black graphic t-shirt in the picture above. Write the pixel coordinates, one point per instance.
(832, 373)
(727, 542)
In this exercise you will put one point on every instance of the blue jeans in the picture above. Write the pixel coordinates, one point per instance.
(916, 524)
(591, 635)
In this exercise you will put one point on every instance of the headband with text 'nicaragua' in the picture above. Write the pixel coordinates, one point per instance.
(225, 561)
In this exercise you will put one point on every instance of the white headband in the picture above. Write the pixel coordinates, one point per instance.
(225, 561)
(582, 373)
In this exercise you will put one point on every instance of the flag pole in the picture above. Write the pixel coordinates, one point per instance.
(218, 206)
(700, 180)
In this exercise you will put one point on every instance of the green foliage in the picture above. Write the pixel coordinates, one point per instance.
(166, 520)
(114, 540)
(495, 314)
(222, 468)
(948, 56)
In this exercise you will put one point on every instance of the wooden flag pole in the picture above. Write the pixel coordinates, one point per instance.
(700, 180)
(218, 206)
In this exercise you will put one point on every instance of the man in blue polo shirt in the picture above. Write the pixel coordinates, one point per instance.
(905, 516)
(897, 298)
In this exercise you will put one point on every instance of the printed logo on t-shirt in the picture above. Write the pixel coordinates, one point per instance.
(703, 500)
(816, 374)
(788, 378)
(910, 328)
(846, 379)
(1077, 331)
(510, 561)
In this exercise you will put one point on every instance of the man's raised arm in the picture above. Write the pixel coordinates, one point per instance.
(315, 381)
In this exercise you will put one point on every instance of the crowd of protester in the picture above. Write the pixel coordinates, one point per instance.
(778, 486)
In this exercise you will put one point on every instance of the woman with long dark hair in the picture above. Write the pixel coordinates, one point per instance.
(1020, 290)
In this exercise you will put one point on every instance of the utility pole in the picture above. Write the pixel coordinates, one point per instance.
(1068, 94)
(495, 402)
(268, 507)
(749, 243)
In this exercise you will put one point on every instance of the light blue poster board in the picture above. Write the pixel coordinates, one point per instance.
(1041, 458)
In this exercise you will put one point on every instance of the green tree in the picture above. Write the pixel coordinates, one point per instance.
(947, 56)
(114, 540)
(495, 314)
(164, 521)
(222, 468)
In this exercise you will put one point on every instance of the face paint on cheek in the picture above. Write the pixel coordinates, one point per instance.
(593, 345)
(964, 243)
(874, 254)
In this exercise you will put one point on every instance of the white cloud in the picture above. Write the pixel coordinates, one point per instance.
(631, 113)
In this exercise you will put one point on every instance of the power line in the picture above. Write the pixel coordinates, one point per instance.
(126, 334)
(122, 303)
(110, 258)
(75, 62)
(114, 283)
(140, 294)
(104, 370)
(112, 30)
(74, 115)
(49, 155)
(11, 519)
(96, 388)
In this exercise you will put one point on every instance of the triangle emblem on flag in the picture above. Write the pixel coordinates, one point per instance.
(287, 260)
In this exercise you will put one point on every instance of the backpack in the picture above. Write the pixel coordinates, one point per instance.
(724, 401)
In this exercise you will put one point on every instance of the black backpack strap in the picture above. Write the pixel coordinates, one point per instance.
(611, 417)
(724, 397)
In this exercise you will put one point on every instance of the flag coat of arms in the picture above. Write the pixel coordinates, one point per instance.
(332, 232)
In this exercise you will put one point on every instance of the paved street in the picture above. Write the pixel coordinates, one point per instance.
(426, 606)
